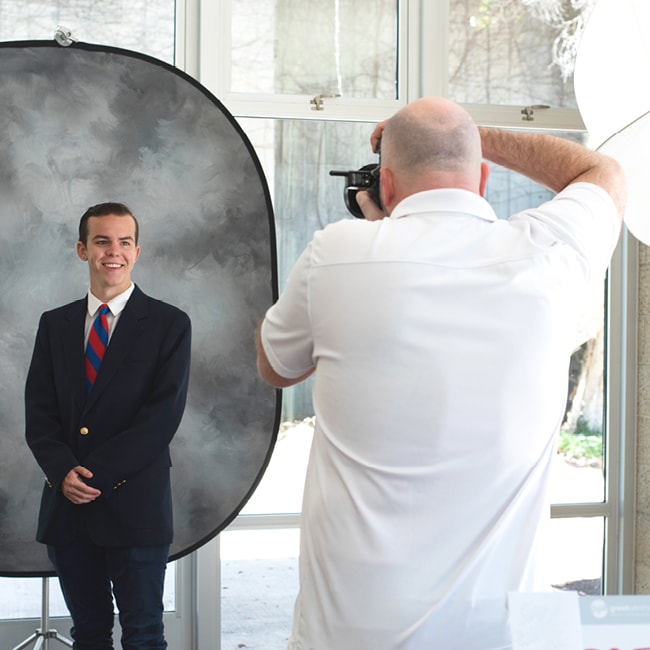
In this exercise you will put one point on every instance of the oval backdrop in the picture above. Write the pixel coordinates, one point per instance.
(85, 124)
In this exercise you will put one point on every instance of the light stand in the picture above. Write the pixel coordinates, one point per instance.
(42, 635)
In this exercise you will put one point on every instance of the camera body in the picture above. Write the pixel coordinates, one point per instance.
(364, 179)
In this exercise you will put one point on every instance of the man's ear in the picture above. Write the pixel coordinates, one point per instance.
(387, 189)
(81, 251)
(485, 173)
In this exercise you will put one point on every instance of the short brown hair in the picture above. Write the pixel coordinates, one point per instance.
(103, 210)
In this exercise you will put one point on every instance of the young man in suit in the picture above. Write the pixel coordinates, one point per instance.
(101, 435)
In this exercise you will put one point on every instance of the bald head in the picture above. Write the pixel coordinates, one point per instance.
(432, 143)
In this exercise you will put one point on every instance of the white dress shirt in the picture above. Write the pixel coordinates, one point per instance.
(441, 338)
(115, 308)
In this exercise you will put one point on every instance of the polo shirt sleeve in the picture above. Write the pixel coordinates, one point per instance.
(286, 332)
(584, 217)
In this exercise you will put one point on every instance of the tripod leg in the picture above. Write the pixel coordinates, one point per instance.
(41, 636)
(61, 639)
(27, 641)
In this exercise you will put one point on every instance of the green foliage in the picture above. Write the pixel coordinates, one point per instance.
(584, 443)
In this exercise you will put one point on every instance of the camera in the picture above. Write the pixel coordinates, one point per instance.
(364, 179)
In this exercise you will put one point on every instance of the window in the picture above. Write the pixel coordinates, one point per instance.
(140, 25)
(503, 52)
(298, 48)
(510, 64)
(325, 60)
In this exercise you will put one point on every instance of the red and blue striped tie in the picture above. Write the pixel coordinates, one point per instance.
(96, 348)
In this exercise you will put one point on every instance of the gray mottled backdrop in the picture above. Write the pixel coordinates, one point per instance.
(83, 125)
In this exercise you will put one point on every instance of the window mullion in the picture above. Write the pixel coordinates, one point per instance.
(186, 46)
(428, 49)
(621, 415)
(215, 45)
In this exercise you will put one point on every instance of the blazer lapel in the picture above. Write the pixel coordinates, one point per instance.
(123, 338)
(74, 320)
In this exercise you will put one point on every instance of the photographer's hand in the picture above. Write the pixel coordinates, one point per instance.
(371, 211)
(375, 137)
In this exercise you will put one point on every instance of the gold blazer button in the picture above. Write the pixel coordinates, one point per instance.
(83, 431)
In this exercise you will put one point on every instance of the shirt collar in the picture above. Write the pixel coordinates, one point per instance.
(445, 201)
(116, 305)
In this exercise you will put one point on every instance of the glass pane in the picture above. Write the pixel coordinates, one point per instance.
(259, 584)
(146, 26)
(23, 597)
(579, 473)
(509, 193)
(343, 47)
(511, 52)
(281, 488)
(296, 157)
(575, 554)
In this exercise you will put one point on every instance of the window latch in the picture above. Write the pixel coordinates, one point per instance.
(528, 112)
(317, 101)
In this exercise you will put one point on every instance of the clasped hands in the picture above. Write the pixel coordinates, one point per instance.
(75, 489)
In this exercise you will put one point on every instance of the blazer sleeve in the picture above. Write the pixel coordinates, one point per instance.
(44, 428)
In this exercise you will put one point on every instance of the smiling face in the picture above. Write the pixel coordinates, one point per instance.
(111, 252)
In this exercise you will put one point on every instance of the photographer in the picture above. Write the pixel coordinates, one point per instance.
(440, 338)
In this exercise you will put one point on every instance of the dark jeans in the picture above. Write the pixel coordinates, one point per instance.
(87, 572)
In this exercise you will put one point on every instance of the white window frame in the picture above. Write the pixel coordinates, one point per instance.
(215, 75)
(423, 71)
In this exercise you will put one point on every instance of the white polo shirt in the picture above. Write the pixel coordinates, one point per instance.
(441, 339)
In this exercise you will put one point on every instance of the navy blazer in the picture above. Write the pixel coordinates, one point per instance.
(121, 432)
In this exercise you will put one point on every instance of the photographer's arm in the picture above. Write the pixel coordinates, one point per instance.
(554, 162)
(375, 136)
(265, 370)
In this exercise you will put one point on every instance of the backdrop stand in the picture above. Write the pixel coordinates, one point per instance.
(41, 637)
